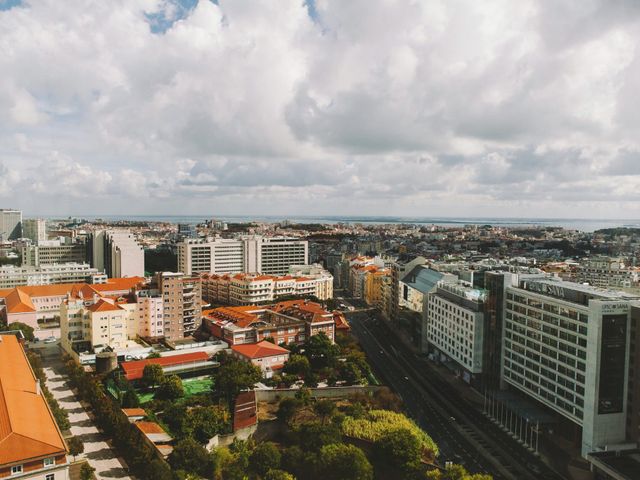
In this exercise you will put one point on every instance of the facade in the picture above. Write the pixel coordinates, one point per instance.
(10, 224)
(12, 276)
(607, 272)
(266, 355)
(35, 229)
(398, 270)
(250, 254)
(376, 284)
(52, 252)
(150, 312)
(182, 303)
(187, 230)
(31, 444)
(455, 328)
(567, 346)
(116, 252)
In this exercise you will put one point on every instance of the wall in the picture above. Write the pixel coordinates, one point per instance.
(329, 392)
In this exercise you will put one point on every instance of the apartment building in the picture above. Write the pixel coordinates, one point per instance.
(249, 254)
(12, 276)
(116, 252)
(607, 272)
(10, 224)
(52, 252)
(567, 346)
(455, 328)
(270, 358)
(35, 229)
(376, 284)
(182, 303)
(31, 444)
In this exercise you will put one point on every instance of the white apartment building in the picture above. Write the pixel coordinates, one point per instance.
(12, 276)
(117, 252)
(50, 252)
(566, 345)
(249, 254)
(150, 313)
(35, 229)
(607, 272)
(455, 327)
(10, 224)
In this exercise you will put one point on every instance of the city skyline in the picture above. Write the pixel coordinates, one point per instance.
(316, 108)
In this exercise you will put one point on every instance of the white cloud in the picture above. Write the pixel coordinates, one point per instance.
(395, 107)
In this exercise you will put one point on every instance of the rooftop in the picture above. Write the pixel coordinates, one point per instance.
(259, 350)
(620, 465)
(133, 370)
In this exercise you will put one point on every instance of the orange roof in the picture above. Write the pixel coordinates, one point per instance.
(27, 427)
(134, 369)
(149, 427)
(104, 306)
(259, 350)
(134, 412)
(19, 301)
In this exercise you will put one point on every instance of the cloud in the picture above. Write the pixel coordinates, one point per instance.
(396, 107)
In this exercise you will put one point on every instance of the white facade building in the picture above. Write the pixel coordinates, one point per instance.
(51, 252)
(10, 224)
(12, 276)
(250, 254)
(117, 252)
(35, 229)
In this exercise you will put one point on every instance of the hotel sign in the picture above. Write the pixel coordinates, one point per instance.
(546, 289)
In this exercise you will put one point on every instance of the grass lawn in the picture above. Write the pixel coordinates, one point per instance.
(192, 386)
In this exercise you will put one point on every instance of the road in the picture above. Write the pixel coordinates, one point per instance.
(463, 434)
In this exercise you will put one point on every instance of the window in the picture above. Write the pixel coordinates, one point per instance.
(49, 462)
(50, 476)
(16, 469)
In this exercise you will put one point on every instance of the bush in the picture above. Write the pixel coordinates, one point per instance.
(264, 457)
(344, 462)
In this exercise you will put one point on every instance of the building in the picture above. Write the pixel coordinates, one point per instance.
(182, 300)
(607, 272)
(12, 276)
(116, 252)
(35, 229)
(31, 444)
(249, 254)
(633, 415)
(266, 355)
(376, 286)
(455, 328)
(290, 322)
(52, 252)
(567, 346)
(398, 270)
(10, 224)
(187, 230)
(254, 289)
(183, 364)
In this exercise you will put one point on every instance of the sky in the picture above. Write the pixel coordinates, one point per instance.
(415, 108)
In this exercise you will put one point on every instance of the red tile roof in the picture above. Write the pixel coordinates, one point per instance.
(259, 350)
(134, 412)
(19, 301)
(133, 370)
(104, 306)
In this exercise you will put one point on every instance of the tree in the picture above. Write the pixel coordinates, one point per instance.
(208, 421)
(86, 472)
(320, 351)
(152, 375)
(455, 472)
(264, 457)
(190, 456)
(76, 447)
(278, 475)
(170, 388)
(325, 409)
(344, 462)
(153, 355)
(288, 408)
(351, 373)
(158, 470)
(26, 330)
(313, 436)
(130, 400)
(399, 448)
(297, 365)
(234, 376)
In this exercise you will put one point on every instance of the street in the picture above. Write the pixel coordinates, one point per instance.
(463, 434)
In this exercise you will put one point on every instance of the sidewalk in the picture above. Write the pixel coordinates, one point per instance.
(96, 450)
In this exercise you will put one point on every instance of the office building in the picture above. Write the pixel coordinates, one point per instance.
(607, 272)
(51, 252)
(182, 303)
(187, 230)
(12, 276)
(250, 254)
(10, 224)
(35, 229)
(567, 346)
(31, 443)
(116, 252)
(399, 269)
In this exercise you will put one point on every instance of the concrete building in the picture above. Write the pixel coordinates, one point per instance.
(12, 276)
(270, 358)
(249, 254)
(51, 252)
(607, 272)
(187, 230)
(35, 229)
(398, 270)
(376, 286)
(31, 443)
(455, 328)
(182, 303)
(10, 224)
(116, 252)
(567, 346)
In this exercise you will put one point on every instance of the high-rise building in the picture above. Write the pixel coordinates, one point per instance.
(12, 276)
(251, 254)
(187, 230)
(182, 301)
(35, 229)
(51, 252)
(10, 224)
(116, 252)
(566, 345)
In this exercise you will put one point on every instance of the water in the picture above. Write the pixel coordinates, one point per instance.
(581, 224)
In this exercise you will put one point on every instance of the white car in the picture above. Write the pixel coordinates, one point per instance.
(50, 340)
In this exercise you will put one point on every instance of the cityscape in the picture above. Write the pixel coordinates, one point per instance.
(319, 240)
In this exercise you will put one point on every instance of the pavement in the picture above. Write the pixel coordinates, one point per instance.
(97, 451)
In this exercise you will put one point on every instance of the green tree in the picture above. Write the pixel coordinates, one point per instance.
(76, 447)
(325, 409)
(344, 462)
(455, 472)
(399, 448)
(278, 475)
(351, 373)
(234, 376)
(288, 408)
(86, 472)
(26, 330)
(190, 456)
(130, 399)
(153, 355)
(320, 351)
(208, 421)
(152, 375)
(313, 436)
(264, 457)
(158, 470)
(170, 388)
(297, 365)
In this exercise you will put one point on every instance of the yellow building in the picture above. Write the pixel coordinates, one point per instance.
(376, 283)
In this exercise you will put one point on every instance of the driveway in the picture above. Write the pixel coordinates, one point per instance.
(96, 450)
